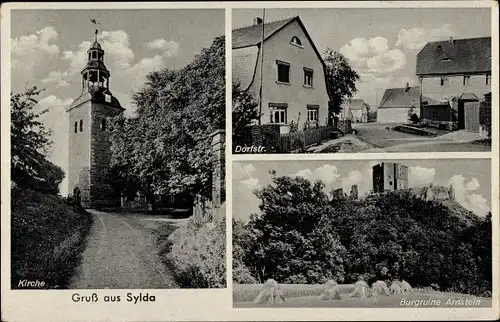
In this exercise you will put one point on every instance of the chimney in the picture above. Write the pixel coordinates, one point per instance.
(257, 20)
(407, 87)
(451, 41)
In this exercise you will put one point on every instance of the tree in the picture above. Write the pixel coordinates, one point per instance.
(291, 245)
(166, 147)
(29, 145)
(244, 109)
(341, 81)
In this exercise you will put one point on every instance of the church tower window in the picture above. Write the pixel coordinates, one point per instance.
(81, 125)
(76, 127)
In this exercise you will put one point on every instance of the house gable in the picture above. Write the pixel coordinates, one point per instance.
(246, 47)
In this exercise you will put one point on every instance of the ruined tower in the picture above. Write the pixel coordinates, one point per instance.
(354, 192)
(89, 144)
(389, 176)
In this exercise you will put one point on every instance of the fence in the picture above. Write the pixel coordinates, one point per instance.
(268, 136)
(302, 139)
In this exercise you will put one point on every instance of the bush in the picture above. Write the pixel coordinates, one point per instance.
(197, 255)
(414, 118)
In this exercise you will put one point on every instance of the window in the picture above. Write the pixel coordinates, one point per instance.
(312, 113)
(283, 72)
(308, 77)
(76, 127)
(296, 41)
(466, 80)
(444, 81)
(81, 125)
(103, 124)
(278, 113)
(488, 79)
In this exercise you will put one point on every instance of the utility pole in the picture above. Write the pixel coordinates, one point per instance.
(261, 63)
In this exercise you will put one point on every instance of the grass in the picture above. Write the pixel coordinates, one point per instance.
(47, 238)
(308, 295)
(248, 292)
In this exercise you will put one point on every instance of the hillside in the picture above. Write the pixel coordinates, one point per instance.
(302, 235)
(446, 197)
(47, 238)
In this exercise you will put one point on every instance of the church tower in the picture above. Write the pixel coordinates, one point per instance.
(89, 142)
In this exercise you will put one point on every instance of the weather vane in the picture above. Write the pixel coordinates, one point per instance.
(95, 22)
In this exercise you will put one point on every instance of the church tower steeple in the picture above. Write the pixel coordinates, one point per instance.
(89, 137)
(95, 73)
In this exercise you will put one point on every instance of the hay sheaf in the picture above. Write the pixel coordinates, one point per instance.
(380, 288)
(406, 287)
(331, 292)
(270, 293)
(396, 288)
(361, 290)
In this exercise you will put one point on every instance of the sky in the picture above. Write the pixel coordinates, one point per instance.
(472, 184)
(48, 50)
(381, 43)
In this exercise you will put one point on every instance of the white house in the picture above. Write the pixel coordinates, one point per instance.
(355, 110)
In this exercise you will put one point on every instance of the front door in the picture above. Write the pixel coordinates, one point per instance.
(77, 195)
(461, 115)
(471, 116)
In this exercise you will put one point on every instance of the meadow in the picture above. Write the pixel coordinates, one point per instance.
(308, 295)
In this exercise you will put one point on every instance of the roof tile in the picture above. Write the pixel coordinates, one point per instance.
(251, 35)
(472, 55)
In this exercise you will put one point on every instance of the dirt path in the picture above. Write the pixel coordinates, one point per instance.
(121, 253)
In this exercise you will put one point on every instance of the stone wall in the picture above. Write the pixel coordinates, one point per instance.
(432, 192)
(101, 193)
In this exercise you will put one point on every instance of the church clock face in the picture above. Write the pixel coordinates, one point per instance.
(107, 98)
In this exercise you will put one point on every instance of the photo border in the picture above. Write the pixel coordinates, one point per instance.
(216, 304)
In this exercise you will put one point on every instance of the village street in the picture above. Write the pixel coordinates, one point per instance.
(121, 253)
(376, 137)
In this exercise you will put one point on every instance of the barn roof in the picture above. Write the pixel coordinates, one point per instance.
(455, 56)
(404, 97)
